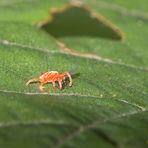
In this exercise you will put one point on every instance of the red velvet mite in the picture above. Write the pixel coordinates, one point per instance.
(51, 77)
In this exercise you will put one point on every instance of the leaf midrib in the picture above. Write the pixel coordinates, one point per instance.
(45, 50)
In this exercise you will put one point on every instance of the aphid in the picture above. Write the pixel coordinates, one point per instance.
(53, 77)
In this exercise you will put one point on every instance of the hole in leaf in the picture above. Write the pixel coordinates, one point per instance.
(75, 20)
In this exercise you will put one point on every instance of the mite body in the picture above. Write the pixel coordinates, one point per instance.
(51, 77)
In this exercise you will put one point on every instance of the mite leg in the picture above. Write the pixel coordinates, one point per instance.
(41, 87)
(54, 85)
(70, 79)
(32, 80)
(60, 84)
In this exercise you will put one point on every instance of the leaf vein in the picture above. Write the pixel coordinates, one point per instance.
(87, 56)
(91, 125)
(124, 11)
(74, 94)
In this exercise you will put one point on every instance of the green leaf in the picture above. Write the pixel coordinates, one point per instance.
(107, 105)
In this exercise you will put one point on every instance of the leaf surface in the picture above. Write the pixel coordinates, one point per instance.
(107, 106)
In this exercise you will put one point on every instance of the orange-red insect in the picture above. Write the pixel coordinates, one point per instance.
(51, 77)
